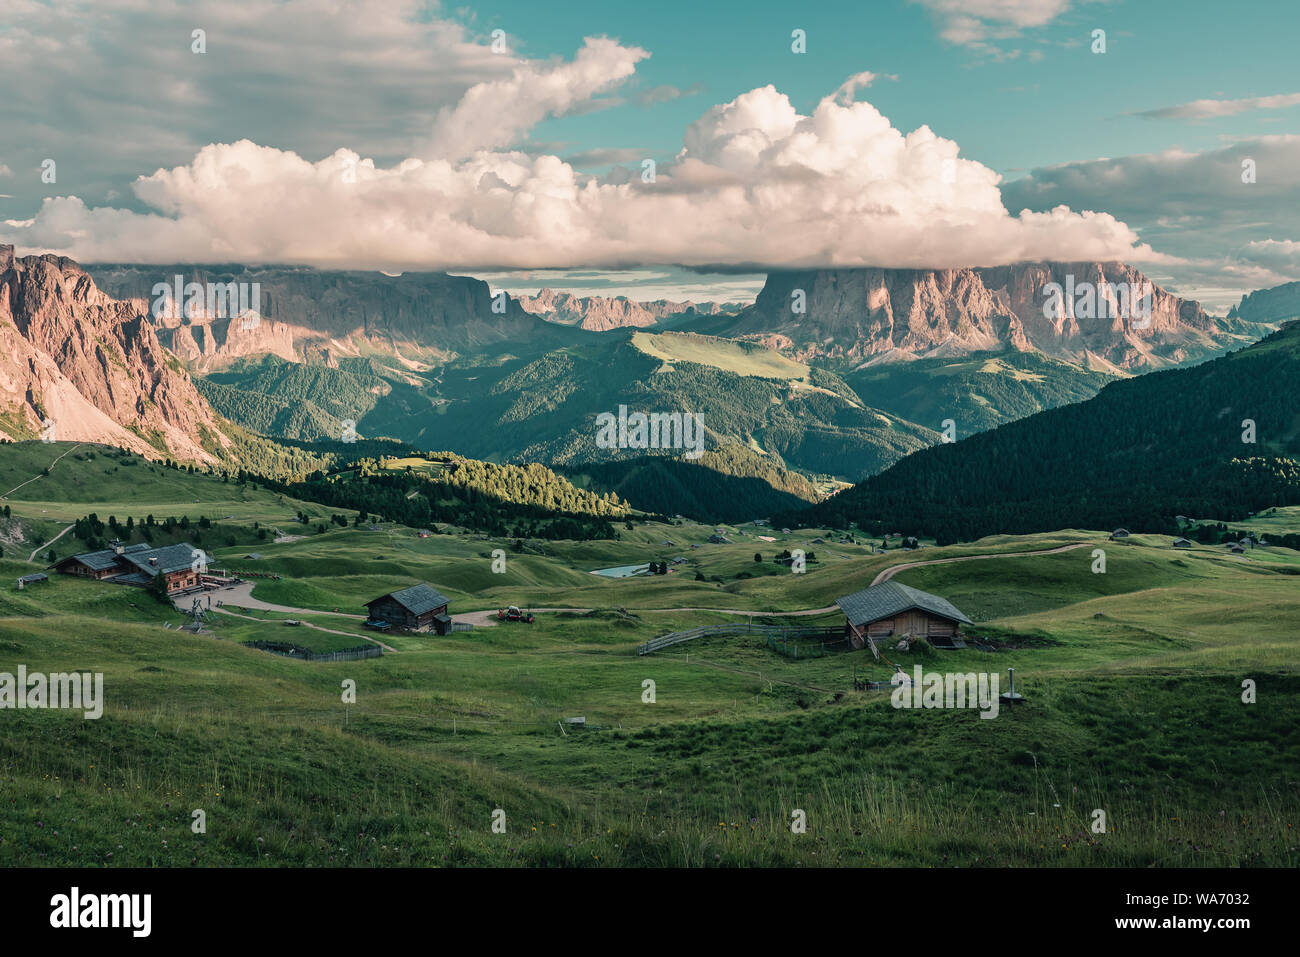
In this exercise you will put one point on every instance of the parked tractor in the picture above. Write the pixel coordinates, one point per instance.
(514, 614)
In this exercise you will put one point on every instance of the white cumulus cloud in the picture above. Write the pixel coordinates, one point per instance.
(495, 113)
(757, 184)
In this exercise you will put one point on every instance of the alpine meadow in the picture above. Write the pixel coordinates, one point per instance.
(523, 437)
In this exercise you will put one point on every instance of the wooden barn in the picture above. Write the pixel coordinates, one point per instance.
(892, 609)
(418, 608)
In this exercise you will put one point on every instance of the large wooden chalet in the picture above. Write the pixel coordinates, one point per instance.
(180, 565)
(889, 609)
(418, 608)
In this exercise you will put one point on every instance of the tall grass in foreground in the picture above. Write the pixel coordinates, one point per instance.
(340, 800)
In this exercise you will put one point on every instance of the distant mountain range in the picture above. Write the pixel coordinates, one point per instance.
(1279, 304)
(863, 373)
(1081, 312)
(602, 313)
(324, 316)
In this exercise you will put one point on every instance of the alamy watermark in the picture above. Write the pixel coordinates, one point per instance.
(214, 300)
(657, 430)
(77, 691)
(124, 911)
(1104, 300)
(935, 690)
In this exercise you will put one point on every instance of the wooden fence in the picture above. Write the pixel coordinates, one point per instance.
(290, 650)
(782, 633)
(816, 645)
(228, 573)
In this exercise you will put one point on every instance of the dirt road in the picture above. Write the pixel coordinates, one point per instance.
(242, 594)
(32, 556)
(893, 570)
(307, 624)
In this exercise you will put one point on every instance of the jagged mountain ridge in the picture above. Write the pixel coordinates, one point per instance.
(865, 315)
(92, 365)
(321, 316)
(1278, 304)
(601, 313)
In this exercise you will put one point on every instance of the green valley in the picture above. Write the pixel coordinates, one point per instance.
(1133, 680)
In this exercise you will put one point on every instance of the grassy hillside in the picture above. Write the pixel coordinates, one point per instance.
(1133, 678)
(977, 392)
(544, 408)
(1134, 706)
(728, 355)
(310, 402)
(63, 481)
(727, 484)
(1220, 439)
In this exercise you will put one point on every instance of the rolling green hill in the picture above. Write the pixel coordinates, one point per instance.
(1132, 680)
(442, 487)
(1220, 439)
(310, 402)
(544, 409)
(977, 392)
(728, 484)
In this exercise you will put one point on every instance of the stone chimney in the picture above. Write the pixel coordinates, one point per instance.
(6, 257)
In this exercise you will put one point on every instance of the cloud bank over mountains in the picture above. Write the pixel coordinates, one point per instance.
(757, 184)
(385, 134)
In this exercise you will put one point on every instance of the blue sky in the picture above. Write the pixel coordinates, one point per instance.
(1010, 114)
(526, 167)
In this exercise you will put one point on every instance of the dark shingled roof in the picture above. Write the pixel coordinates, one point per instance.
(417, 599)
(101, 560)
(170, 558)
(891, 598)
(135, 578)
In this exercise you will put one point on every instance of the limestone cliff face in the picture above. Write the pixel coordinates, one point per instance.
(209, 344)
(899, 314)
(90, 364)
(310, 314)
(602, 313)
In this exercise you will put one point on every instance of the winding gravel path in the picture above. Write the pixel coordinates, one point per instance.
(243, 595)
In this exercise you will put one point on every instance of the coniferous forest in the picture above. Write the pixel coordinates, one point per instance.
(1218, 440)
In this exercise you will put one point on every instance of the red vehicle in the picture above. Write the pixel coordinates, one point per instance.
(514, 614)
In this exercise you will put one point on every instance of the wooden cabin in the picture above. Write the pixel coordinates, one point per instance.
(418, 608)
(104, 563)
(892, 609)
(182, 566)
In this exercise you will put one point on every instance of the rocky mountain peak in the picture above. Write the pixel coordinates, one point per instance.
(1084, 312)
(77, 364)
